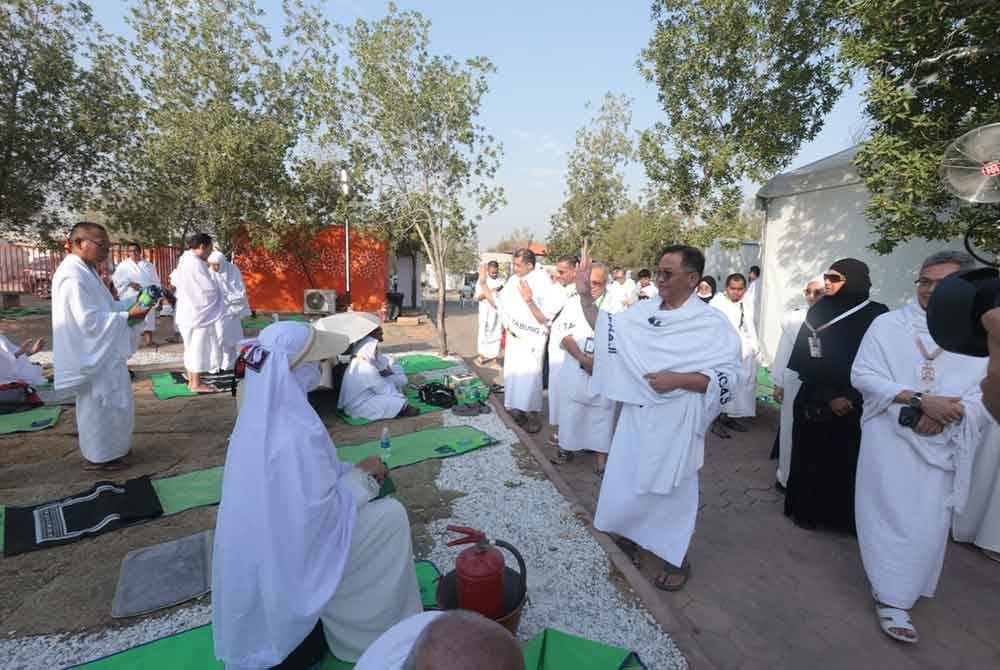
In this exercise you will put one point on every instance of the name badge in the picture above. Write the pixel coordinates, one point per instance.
(815, 347)
(928, 375)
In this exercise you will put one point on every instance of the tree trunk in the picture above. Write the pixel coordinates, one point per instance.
(442, 332)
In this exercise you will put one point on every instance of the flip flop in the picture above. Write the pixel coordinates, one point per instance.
(660, 581)
(496, 388)
(562, 457)
(553, 440)
(630, 548)
(111, 466)
(466, 410)
(484, 408)
(893, 617)
(532, 425)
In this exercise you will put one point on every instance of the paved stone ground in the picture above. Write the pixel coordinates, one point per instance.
(766, 594)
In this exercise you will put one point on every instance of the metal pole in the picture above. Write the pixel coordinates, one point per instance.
(345, 189)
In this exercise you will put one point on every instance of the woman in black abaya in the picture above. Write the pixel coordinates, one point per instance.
(826, 434)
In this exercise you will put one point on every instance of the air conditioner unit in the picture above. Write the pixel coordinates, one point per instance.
(319, 301)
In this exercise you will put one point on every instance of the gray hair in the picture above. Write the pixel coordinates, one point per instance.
(963, 260)
(604, 266)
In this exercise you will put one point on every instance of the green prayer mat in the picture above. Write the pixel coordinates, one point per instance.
(23, 311)
(194, 649)
(263, 321)
(415, 363)
(765, 388)
(166, 386)
(195, 489)
(554, 650)
(29, 420)
(412, 397)
(420, 446)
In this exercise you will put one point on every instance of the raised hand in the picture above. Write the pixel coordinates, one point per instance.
(482, 274)
(525, 290)
(583, 271)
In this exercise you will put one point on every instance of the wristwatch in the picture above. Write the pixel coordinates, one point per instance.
(916, 400)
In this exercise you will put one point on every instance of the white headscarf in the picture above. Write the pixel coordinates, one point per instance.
(286, 517)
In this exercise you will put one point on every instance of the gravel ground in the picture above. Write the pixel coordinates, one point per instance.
(568, 585)
(141, 357)
(568, 573)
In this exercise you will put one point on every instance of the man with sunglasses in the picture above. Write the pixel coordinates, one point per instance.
(787, 382)
(91, 343)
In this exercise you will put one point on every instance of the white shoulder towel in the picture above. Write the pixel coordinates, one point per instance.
(514, 312)
(889, 362)
(89, 329)
(647, 339)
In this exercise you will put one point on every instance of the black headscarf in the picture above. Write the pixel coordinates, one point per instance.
(840, 342)
(708, 279)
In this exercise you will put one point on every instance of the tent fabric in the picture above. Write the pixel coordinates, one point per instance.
(831, 172)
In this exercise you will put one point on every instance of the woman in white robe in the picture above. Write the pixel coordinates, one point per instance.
(229, 329)
(132, 275)
(91, 343)
(373, 383)
(909, 481)
(299, 538)
(200, 305)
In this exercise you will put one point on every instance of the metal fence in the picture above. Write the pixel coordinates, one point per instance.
(28, 269)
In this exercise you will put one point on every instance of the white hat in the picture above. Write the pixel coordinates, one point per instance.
(322, 344)
(355, 325)
(216, 257)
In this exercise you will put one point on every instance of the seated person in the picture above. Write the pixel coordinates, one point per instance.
(298, 539)
(16, 367)
(453, 640)
(372, 387)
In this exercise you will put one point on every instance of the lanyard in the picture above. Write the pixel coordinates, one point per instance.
(843, 316)
(923, 351)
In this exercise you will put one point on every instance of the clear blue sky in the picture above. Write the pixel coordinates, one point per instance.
(552, 57)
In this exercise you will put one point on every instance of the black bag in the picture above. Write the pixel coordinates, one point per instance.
(437, 394)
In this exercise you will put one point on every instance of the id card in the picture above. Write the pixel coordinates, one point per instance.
(588, 346)
(815, 347)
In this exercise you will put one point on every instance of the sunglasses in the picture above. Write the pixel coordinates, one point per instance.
(834, 278)
(816, 292)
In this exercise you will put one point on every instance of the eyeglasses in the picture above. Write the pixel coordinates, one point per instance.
(104, 244)
(815, 292)
(924, 282)
(667, 275)
(834, 278)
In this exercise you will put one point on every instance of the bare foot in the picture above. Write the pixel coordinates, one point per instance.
(202, 388)
(109, 466)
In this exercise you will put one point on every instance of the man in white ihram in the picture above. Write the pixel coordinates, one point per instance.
(200, 306)
(91, 343)
(912, 477)
(732, 302)
(527, 304)
(490, 330)
(228, 329)
(299, 537)
(565, 279)
(787, 382)
(132, 275)
(588, 418)
(671, 363)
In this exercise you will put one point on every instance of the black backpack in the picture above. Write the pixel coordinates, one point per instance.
(437, 394)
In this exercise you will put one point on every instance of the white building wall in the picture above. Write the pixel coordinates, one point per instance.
(806, 232)
(721, 262)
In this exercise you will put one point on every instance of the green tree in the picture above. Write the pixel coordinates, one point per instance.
(225, 113)
(933, 70)
(65, 107)
(743, 84)
(415, 138)
(595, 181)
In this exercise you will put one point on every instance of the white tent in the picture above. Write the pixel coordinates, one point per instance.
(813, 216)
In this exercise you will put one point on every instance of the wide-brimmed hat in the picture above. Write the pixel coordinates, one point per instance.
(355, 325)
(322, 344)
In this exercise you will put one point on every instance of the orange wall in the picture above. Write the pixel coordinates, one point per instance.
(276, 283)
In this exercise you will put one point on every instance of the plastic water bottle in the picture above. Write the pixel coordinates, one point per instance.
(385, 446)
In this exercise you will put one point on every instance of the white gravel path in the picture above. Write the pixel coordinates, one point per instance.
(568, 585)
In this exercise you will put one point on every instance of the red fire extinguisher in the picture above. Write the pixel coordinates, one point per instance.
(480, 572)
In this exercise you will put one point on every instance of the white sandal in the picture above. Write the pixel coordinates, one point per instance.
(893, 617)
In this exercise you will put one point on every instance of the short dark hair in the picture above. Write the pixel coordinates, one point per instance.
(644, 274)
(755, 270)
(692, 259)
(81, 230)
(526, 255)
(733, 277)
(493, 264)
(136, 245)
(199, 240)
(569, 258)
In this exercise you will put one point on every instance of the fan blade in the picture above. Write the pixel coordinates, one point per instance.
(982, 144)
